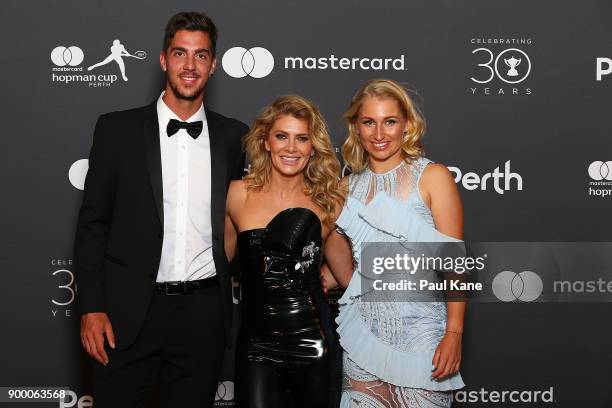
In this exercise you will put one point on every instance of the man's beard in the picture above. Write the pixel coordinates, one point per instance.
(193, 95)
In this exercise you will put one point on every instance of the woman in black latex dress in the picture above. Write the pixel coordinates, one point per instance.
(277, 220)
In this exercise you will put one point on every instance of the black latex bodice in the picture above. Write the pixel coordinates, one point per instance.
(287, 350)
(280, 273)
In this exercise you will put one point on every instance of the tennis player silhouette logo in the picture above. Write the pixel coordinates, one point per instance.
(118, 51)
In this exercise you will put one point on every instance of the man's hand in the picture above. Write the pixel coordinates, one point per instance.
(93, 328)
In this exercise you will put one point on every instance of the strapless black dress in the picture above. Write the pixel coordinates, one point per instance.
(287, 350)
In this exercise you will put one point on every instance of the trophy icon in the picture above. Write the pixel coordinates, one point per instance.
(512, 63)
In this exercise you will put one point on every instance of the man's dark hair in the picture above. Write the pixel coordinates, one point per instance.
(191, 21)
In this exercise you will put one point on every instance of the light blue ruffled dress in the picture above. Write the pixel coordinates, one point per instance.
(389, 346)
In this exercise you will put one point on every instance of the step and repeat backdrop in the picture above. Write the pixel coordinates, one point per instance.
(517, 96)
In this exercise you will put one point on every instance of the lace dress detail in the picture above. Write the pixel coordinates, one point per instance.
(364, 390)
(389, 345)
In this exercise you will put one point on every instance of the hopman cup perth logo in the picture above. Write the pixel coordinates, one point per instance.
(68, 69)
(502, 66)
(600, 174)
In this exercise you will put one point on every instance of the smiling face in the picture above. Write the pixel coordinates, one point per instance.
(289, 145)
(188, 62)
(381, 126)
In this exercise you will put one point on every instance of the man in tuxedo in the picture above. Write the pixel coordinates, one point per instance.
(153, 280)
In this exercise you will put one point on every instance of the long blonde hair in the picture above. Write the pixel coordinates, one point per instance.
(322, 170)
(353, 152)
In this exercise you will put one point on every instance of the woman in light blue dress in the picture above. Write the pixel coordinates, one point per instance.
(396, 353)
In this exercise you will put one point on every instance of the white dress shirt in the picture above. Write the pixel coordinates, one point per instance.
(187, 245)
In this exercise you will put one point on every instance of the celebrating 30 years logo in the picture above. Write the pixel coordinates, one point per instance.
(502, 66)
(64, 292)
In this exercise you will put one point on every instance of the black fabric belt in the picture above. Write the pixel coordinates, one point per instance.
(182, 287)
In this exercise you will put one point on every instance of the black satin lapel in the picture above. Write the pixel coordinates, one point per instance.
(151, 135)
(218, 174)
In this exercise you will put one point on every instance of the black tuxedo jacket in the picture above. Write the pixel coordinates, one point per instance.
(120, 226)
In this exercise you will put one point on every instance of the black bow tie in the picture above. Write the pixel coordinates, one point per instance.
(193, 128)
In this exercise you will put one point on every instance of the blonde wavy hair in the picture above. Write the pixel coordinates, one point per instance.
(322, 170)
(353, 152)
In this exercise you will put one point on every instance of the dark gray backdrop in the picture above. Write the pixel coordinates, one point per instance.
(556, 125)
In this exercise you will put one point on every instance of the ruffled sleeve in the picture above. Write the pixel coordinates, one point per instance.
(409, 226)
(398, 367)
